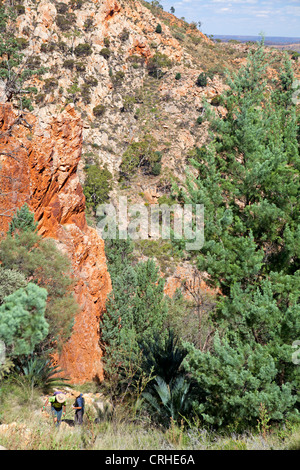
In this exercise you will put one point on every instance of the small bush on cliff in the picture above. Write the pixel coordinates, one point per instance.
(69, 64)
(86, 93)
(61, 7)
(157, 63)
(34, 62)
(105, 52)
(124, 36)
(91, 81)
(142, 155)
(63, 22)
(201, 80)
(97, 186)
(83, 50)
(158, 29)
(118, 77)
(50, 84)
(80, 66)
(99, 110)
(15, 68)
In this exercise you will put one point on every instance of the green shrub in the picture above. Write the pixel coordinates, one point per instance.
(128, 103)
(63, 22)
(138, 298)
(119, 76)
(178, 76)
(97, 186)
(83, 50)
(105, 52)
(141, 154)
(10, 281)
(179, 36)
(77, 4)
(171, 402)
(88, 24)
(85, 93)
(295, 55)
(26, 103)
(22, 43)
(63, 46)
(91, 81)
(99, 110)
(216, 101)
(40, 260)
(124, 36)
(50, 84)
(33, 62)
(48, 47)
(22, 319)
(158, 29)
(156, 63)
(40, 97)
(156, 169)
(20, 9)
(39, 372)
(61, 7)
(202, 80)
(69, 64)
(137, 59)
(80, 66)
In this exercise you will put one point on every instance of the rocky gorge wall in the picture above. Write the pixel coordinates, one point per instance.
(38, 166)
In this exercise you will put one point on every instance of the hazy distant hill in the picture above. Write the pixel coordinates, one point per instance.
(271, 40)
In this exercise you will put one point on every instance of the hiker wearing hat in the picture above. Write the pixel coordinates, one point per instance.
(58, 406)
(78, 407)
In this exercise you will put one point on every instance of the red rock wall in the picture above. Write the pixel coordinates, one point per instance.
(38, 166)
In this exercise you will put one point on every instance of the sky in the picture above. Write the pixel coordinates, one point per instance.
(241, 17)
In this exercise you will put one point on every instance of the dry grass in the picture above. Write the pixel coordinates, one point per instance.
(24, 427)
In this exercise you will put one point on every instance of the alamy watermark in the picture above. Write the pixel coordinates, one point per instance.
(153, 222)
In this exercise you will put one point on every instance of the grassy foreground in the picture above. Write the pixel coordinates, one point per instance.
(24, 427)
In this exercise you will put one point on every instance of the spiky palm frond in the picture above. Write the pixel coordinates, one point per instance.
(40, 372)
(164, 356)
(170, 400)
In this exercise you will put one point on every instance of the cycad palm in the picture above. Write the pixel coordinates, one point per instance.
(40, 372)
(170, 401)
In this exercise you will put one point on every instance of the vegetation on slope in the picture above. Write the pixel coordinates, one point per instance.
(181, 370)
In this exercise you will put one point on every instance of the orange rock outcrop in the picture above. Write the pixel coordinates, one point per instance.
(39, 166)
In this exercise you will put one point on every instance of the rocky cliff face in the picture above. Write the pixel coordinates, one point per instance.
(38, 166)
(95, 53)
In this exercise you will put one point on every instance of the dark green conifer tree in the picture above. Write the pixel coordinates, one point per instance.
(248, 181)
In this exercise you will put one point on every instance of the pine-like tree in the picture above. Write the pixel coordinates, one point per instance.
(22, 320)
(135, 310)
(248, 181)
(22, 221)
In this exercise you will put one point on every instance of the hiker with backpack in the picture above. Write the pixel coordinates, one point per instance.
(58, 406)
(79, 408)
